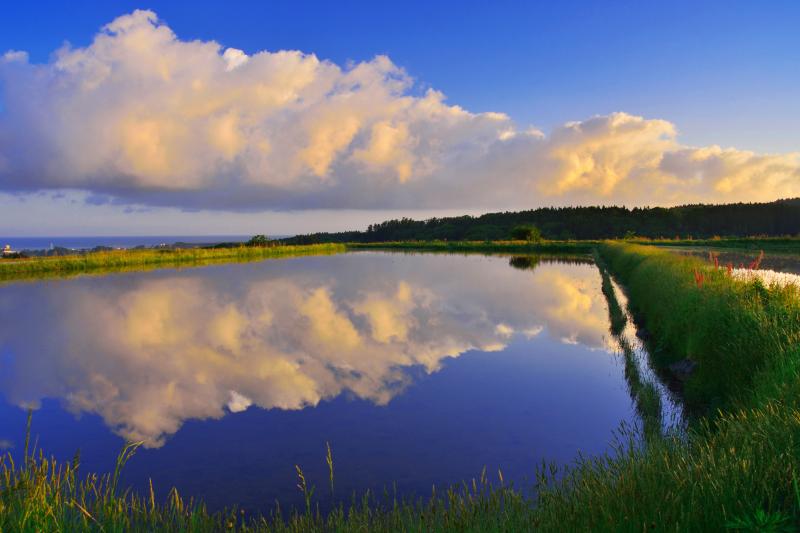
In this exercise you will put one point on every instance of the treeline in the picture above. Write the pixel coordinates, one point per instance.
(777, 218)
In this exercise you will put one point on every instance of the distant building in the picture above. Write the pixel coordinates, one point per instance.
(8, 253)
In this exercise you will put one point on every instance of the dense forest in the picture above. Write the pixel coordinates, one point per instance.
(781, 217)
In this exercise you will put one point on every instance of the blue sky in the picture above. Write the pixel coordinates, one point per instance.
(726, 72)
(722, 73)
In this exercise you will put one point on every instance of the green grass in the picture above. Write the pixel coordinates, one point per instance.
(746, 464)
(516, 247)
(130, 260)
(737, 467)
(738, 333)
(43, 495)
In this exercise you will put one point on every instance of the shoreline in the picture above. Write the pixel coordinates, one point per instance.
(141, 260)
(128, 260)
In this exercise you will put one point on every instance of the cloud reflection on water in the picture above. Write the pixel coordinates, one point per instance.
(149, 351)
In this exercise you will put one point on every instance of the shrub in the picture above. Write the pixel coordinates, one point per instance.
(526, 233)
(258, 240)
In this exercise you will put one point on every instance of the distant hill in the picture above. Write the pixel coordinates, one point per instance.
(778, 218)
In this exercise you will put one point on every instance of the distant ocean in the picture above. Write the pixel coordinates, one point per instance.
(42, 243)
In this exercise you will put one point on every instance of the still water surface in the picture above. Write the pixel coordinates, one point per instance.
(419, 370)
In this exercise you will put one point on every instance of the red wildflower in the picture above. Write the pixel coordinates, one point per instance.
(757, 261)
(699, 278)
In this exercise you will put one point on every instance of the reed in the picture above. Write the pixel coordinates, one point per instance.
(41, 494)
(742, 469)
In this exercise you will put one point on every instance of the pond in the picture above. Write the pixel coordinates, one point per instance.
(418, 370)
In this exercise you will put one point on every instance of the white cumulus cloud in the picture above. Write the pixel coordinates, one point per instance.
(145, 117)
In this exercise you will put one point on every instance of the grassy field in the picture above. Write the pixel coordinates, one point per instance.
(134, 260)
(737, 468)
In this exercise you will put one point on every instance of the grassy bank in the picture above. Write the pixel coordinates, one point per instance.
(738, 468)
(126, 260)
(737, 333)
(516, 247)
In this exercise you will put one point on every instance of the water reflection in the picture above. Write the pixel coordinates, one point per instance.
(148, 352)
(741, 259)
